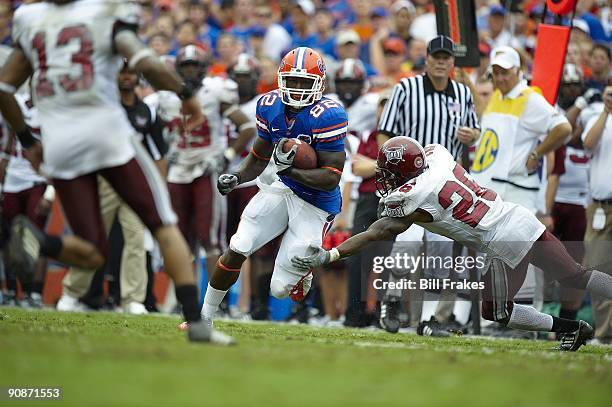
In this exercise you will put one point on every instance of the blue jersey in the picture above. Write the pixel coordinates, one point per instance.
(323, 125)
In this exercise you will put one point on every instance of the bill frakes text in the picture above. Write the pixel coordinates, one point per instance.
(428, 284)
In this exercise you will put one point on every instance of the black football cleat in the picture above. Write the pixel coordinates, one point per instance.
(572, 341)
(389, 315)
(432, 328)
(24, 248)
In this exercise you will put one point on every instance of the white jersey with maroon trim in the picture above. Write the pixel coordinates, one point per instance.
(574, 180)
(362, 113)
(464, 211)
(196, 151)
(71, 49)
(248, 109)
(19, 174)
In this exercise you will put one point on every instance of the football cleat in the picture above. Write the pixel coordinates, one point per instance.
(201, 331)
(432, 328)
(24, 248)
(572, 341)
(389, 315)
(184, 326)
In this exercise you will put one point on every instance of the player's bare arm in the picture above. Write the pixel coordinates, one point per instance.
(145, 61)
(245, 127)
(13, 74)
(383, 229)
(558, 136)
(324, 178)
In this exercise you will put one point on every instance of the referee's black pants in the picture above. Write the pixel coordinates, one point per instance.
(358, 267)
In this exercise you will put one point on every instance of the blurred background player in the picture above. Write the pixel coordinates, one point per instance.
(76, 151)
(197, 156)
(300, 203)
(24, 192)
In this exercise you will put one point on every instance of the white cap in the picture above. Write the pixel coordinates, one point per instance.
(400, 4)
(582, 25)
(307, 7)
(506, 57)
(346, 36)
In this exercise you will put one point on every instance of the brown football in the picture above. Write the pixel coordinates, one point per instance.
(305, 157)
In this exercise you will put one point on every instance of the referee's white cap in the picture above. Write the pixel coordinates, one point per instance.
(505, 57)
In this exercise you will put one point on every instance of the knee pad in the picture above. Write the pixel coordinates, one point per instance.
(278, 289)
(241, 245)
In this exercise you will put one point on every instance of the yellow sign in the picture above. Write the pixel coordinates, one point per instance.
(487, 151)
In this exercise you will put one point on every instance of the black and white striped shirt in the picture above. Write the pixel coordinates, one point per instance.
(417, 110)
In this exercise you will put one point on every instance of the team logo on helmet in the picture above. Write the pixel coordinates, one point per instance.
(418, 162)
(395, 154)
(321, 66)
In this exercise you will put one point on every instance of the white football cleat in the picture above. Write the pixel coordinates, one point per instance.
(135, 308)
(70, 304)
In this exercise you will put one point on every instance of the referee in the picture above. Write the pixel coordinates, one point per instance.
(432, 109)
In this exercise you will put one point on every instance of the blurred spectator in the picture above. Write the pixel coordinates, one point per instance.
(362, 24)
(402, 14)
(497, 35)
(242, 19)
(424, 25)
(199, 15)
(597, 31)
(348, 45)
(391, 66)
(597, 139)
(303, 34)
(599, 61)
(160, 43)
(5, 25)
(228, 49)
(165, 25)
(255, 45)
(276, 38)
(484, 91)
(325, 34)
(417, 52)
(268, 80)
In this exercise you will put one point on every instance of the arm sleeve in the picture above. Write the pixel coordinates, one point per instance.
(392, 120)
(329, 130)
(261, 123)
(540, 116)
(588, 127)
(17, 31)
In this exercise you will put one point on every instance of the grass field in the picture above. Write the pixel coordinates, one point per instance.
(110, 359)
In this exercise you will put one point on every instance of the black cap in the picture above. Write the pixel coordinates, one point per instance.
(441, 43)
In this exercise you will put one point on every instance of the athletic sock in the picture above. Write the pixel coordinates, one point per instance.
(51, 246)
(461, 310)
(212, 299)
(600, 284)
(568, 313)
(187, 296)
(430, 305)
(529, 319)
(562, 325)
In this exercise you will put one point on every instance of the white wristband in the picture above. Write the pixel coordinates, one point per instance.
(334, 255)
(139, 56)
(6, 88)
(49, 193)
(229, 154)
(580, 102)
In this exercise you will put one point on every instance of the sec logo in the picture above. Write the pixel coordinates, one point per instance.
(486, 152)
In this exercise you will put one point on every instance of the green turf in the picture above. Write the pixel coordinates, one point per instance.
(110, 359)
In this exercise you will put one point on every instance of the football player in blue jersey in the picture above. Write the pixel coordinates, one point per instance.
(299, 203)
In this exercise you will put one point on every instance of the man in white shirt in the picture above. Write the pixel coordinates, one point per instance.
(597, 139)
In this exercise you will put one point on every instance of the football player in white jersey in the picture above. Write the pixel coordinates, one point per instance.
(427, 187)
(24, 193)
(73, 51)
(198, 156)
(351, 87)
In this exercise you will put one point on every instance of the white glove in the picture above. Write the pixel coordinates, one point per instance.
(318, 258)
(281, 159)
(227, 182)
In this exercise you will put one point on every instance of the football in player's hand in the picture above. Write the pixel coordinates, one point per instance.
(305, 157)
